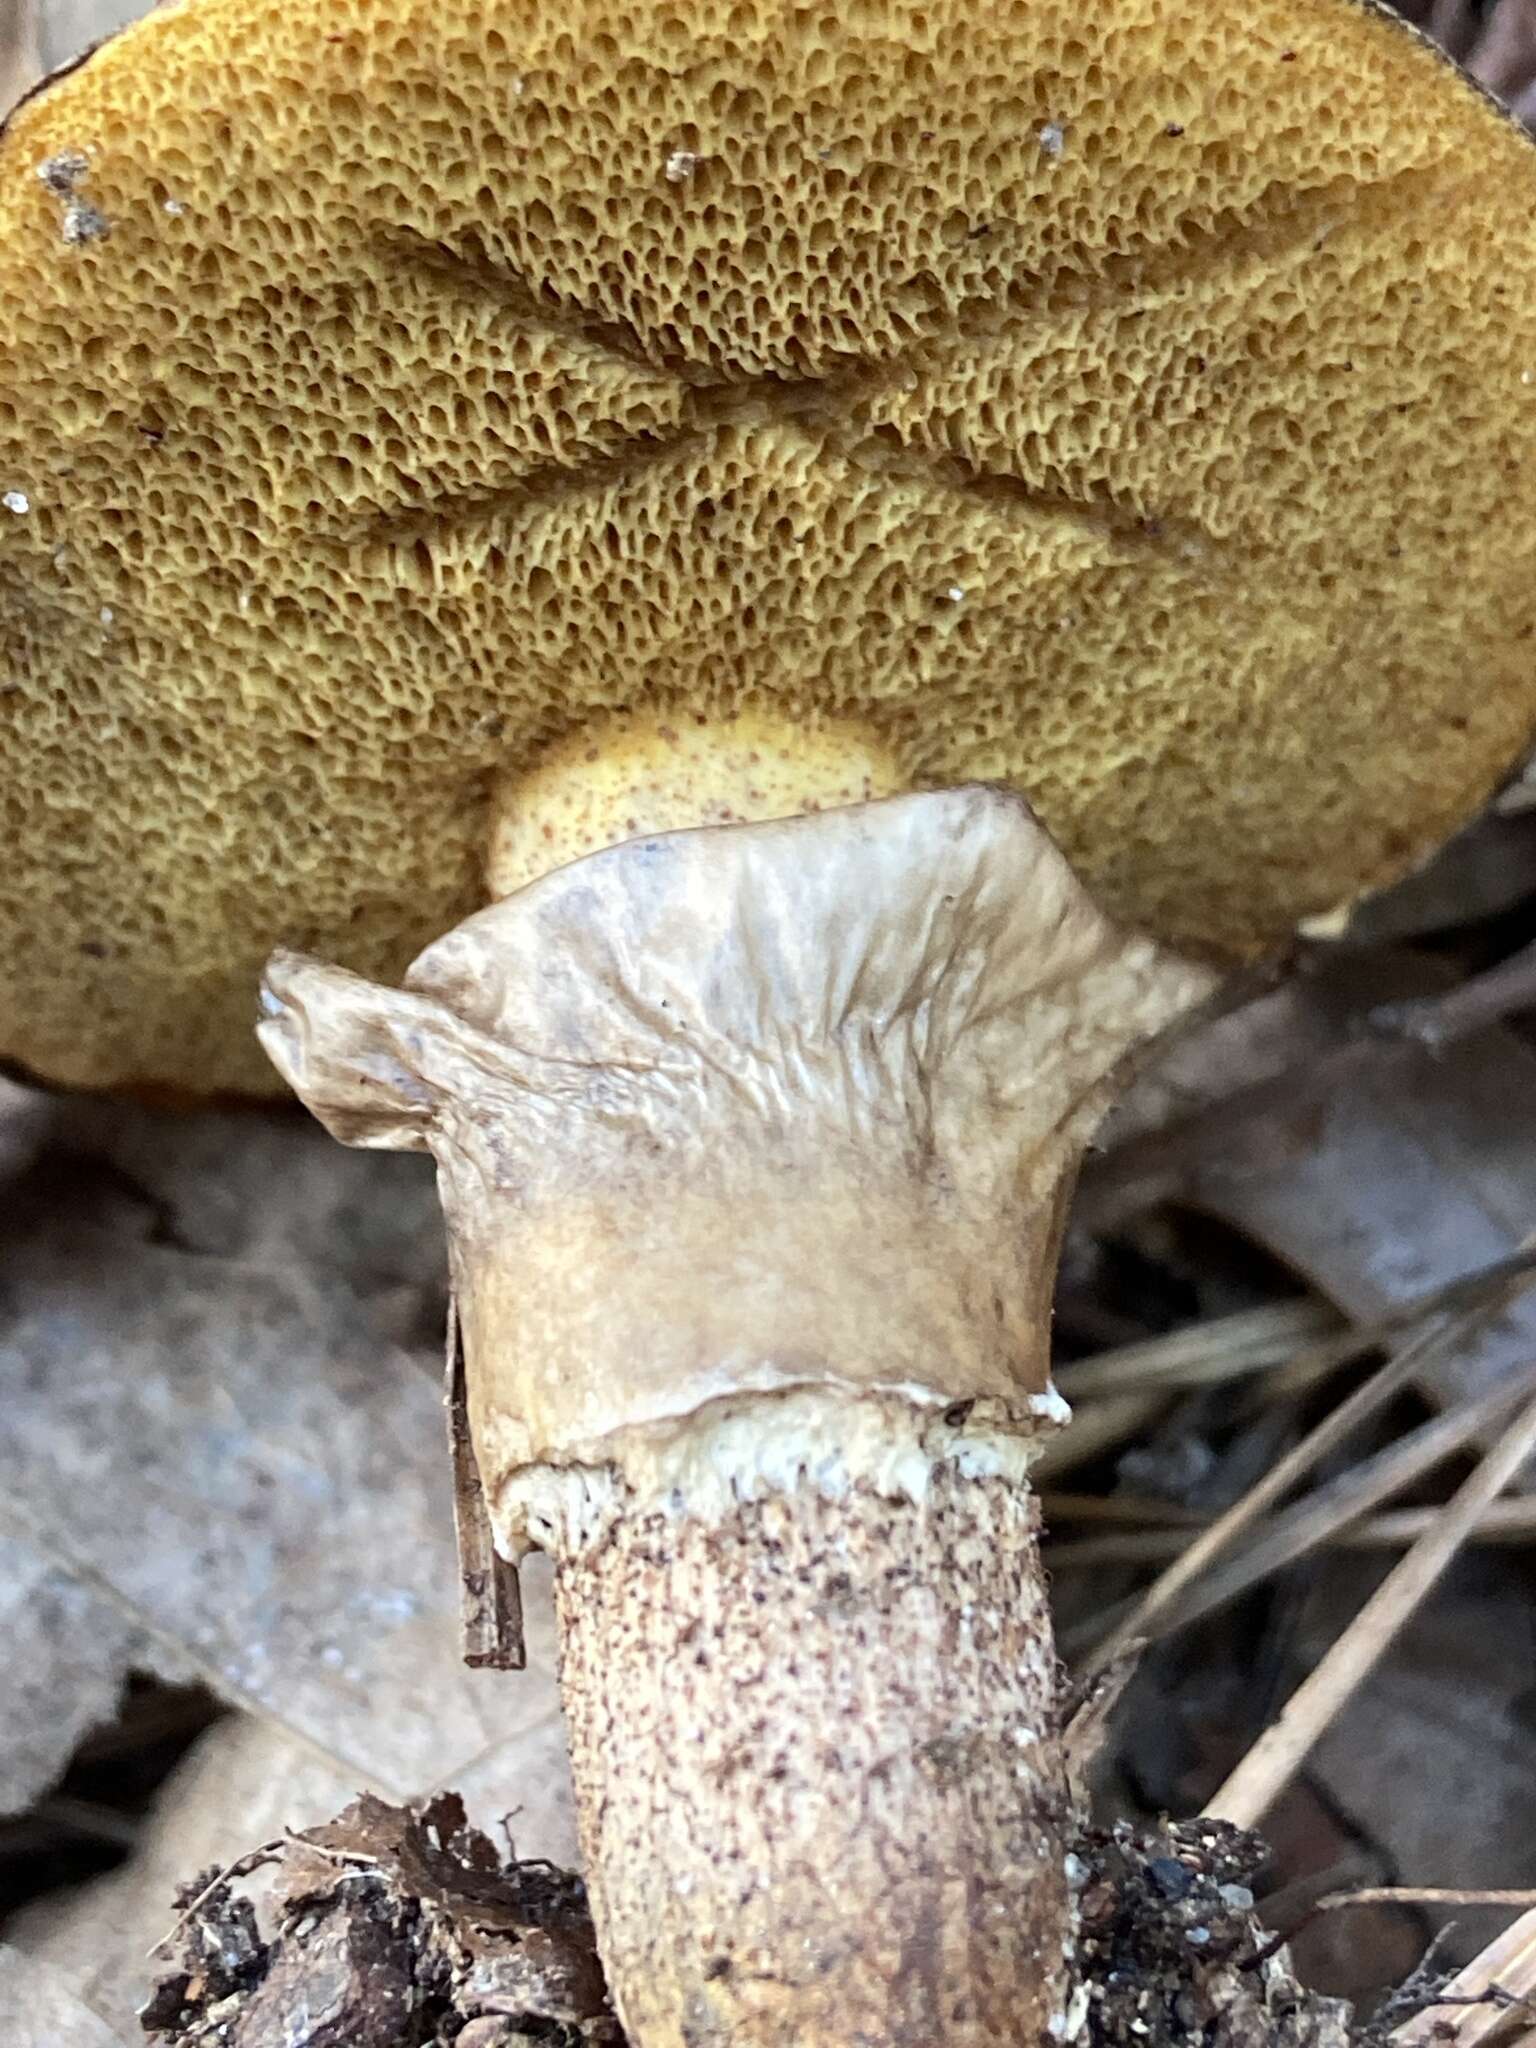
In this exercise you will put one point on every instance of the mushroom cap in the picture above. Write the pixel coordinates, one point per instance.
(1134, 403)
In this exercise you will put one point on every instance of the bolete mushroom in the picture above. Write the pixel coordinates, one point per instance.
(679, 478)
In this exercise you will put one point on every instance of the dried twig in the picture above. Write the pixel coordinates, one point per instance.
(1511, 1521)
(242, 1866)
(1275, 1757)
(1474, 2004)
(490, 1595)
(1162, 1598)
(1141, 1377)
(1421, 1895)
(1437, 1021)
(1205, 1354)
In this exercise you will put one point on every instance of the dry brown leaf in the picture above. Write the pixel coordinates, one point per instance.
(244, 1783)
(381, 1916)
(219, 1354)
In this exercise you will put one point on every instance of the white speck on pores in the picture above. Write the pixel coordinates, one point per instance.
(107, 615)
(174, 207)
(17, 502)
(681, 165)
(243, 601)
(1528, 376)
(62, 171)
(1052, 138)
(83, 223)
(60, 174)
(955, 592)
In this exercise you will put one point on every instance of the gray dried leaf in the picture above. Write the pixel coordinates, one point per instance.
(1447, 1712)
(69, 26)
(67, 1653)
(1412, 1170)
(40, 2012)
(21, 56)
(220, 1347)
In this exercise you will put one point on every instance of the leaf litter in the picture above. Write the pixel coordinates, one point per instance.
(220, 1336)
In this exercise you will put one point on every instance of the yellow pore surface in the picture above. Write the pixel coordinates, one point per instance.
(1135, 401)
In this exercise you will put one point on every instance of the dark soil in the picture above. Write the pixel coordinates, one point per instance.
(399, 1930)
(389, 1929)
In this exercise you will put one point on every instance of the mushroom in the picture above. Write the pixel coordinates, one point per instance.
(650, 494)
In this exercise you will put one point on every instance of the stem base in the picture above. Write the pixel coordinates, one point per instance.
(822, 1794)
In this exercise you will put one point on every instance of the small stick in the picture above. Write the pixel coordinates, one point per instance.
(1511, 1521)
(1474, 2004)
(241, 1867)
(1205, 1353)
(1279, 1752)
(1422, 1895)
(490, 1597)
(1436, 1021)
(1298, 1337)
(1415, 1354)
(1124, 1510)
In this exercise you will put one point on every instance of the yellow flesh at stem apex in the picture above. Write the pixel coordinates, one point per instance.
(627, 777)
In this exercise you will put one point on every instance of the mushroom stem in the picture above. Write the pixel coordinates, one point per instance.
(754, 1144)
(823, 1799)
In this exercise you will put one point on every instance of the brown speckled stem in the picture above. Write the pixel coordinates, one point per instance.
(822, 1796)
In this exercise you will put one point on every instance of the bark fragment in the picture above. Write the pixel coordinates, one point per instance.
(386, 1929)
